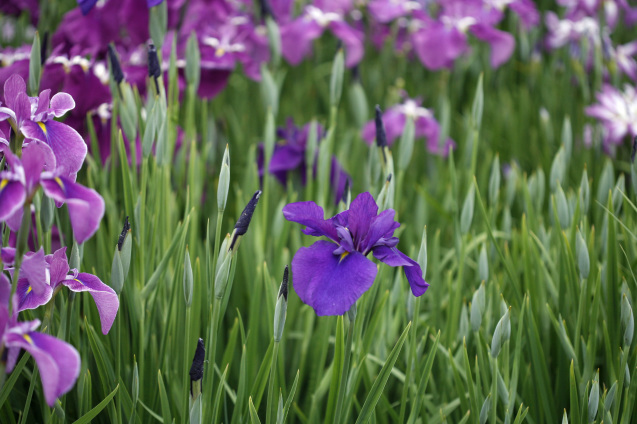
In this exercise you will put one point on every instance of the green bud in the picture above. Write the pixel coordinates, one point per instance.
(483, 264)
(384, 195)
(626, 376)
(605, 182)
(478, 104)
(511, 184)
(76, 256)
(484, 411)
(584, 193)
(501, 334)
(312, 143)
(59, 410)
(274, 40)
(583, 260)
(135, 390)
(157, 23)
(47, 213)
(541, 188)
(117, 273)
(593, 399)
(406, 143)
(478, 303)
(150, 131)
(567, 138)
(503, 393)
(224, 181)
(124, 247)
(466, 216)
(494, 181)
(281, 307)
(422, 253)
(618, 197)
(196, 411)
(610, 397)
(35, 66)
(561, 204)
(336, 81)
(223, 269)
(565, 418)
(187, 281)
(193, 61)
(628, 321)
(463, 325)
(558, 169)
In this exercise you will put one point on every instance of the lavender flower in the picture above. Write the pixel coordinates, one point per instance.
(59, 362)
(41, 276)
(289, 157)
(617, 112)
(38, 168)
(426, 126)
(331, 277)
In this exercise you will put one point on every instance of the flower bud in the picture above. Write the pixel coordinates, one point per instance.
(494, 181)
(584, 193)
(381, 136)
(124, 246)
(558, 169)
(117, 273)
(224, 181)
(567, 138)
(281, 307)
(610, 397)
(626, 376)
(196, 370)
(406, 143)
(336, 81)
(116, 69)
(583, 260)
(484, 411)
(593, 399)
(357, 100)
(157, 22)
(241, 227)
(76, 256)
(478, 302)
(223, 268)
(561, 205)
(501, 334)
(483, 264)
(35, 66)
(154, 69)
(187, 281)
(466, 216)
(193, 61)
(628, 321)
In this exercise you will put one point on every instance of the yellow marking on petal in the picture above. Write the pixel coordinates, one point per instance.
(27, 338)
(41, 124)
(343, 255)
(59, 181)
(220, 52)
(29, 290)
(3, 184)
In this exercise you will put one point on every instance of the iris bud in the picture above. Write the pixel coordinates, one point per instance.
(494, 181)
(336, 82)
(501, 334)
(281, 307)
(584, 193)
(628, 321)
(196, 370)
(583, 260)
(484, 411)
(593, 399)
(187, 281)
(224, 181)
(241, 227)
(116, 69)
(477, 307)
(35, 65)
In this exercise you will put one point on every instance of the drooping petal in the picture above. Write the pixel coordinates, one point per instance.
(28, 298)
(502, 43)
(58, 361)
(311, 215)
(61, 103)
(329, 283)
(297, 37)
(13, 86)
(67, 144)
(394, 257)
(12, 195)
(58, 266)
(437, 46)
(352, 39)
(85, 205)
(43, 103)
(105, 297)
(37, 156)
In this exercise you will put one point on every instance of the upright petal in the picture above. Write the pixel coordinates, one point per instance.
(329, 283)
(58, 361)
(58, 266)
(12, 195)
(86, 206)
(67, 144)
(105, 297)
(502, 43)
(382, 226)
(361, 212)
(394, 257)
(311, 215)
(352, 39)
(61, 103)
(33, 269)
(297, 37)
(13, 86)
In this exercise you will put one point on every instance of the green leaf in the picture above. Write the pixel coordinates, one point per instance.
(86, 418)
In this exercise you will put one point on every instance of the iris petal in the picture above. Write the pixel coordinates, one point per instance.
(105, 297)
(394, 257)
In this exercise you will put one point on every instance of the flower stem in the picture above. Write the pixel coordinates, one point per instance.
(271, 401)
(345, 374)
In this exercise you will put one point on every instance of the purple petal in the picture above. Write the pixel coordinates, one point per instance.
(437, 46)
(58, 361)
(58, 266)
(12, 195)
(28, 298)
(297, 37)
(85, 205)
(33, 269)
(67, 144)
(61, 103)
(286, 158)
(394, 257)
(502, 43)
(86, 5)
(22, 108)
(152, 3)
(37, 156)
(105, 297)
(13, 86)
(361, 212)
(382, 226)
(7, 254)
(43, 103)
(329, 283)
(311, 215)
(352, 39)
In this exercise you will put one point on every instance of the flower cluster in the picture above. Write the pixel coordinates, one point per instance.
(617, 112)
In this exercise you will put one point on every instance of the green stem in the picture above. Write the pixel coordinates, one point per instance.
(186, 389)
(271, 400)
(340, 400)
(212, 347)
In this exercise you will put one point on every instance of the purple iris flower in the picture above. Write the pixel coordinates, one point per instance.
(33, 117)
(289, 157)
(41, 276)
(565, 31)
(617, 112)
(331, 277)
(58, 361)
(37, 168)
(298, 34)
(394, 119)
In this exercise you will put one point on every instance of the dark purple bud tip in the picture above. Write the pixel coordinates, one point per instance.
(346, 191)
(154, 70)
(266, 10)
(116, 69)
(283, 291)
(381, 137)
(356, 74)
(634, 152)
(196, 369)
(122, 235)
(339, 45)
(242, 224)
(43, 46)
(389, 178)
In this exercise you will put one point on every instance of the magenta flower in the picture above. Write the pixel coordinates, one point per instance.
(58, 361)
(617, 112)
(331, 275)
(37, 168)
(425, 124)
